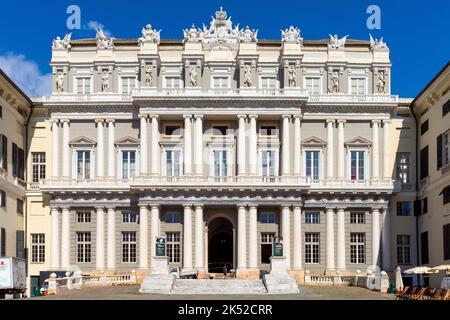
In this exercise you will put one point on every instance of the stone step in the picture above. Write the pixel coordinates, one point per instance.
(206, 286)
(160, 284)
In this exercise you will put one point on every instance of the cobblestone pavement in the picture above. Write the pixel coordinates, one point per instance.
(306, 293)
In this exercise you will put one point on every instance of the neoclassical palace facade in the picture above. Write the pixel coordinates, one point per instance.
(220, 142)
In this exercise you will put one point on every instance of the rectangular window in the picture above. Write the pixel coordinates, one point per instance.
(83, 247)
(312, 165)
(312, 217)
(403, 208)
(268, 83)
(357, 248)
(268, 217)
(129, 217)
(128, 246)
(403, 167)
(173, 163)
(268, 131)
(424, 163)
(357, 169)
(446, 240)
(312, 248)
(172, 130)
(37, 247)
(358, 86)
(83, 165)
(446, 194)
(18, 161)
(20, 244)
(84, 85)
(173, 244)
(19, 206)
(83, 216)
(313, 85)
(220, 164)
(403, 249)
(424, 127)
(357, 218)
(446, 148)
(2, 242)
(4, 152)
(268, 163)
(128, 164)
(424, 247)
(424, 205)
(173, 82)
(220, 82)
(38, 166)
(2, 198)
(1, 112)
(172, 217)
(445, 108)
(266, 246)
(220, 130)
(128, 84)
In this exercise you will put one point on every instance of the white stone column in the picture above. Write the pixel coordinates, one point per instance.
(297, 238)
(144, 145)
(297, 141)
(199, 239)
(198, 144)
(375, 236)
(65, 238)
(111, 246)
(111, 149)
(340, 261)
(54, 258)
(143, 237)
(155, 146)
(330, 266)
(242, 239)
(154, 228)
(100, 149)
(386, 240)
(187, 238)
(187, 144)
(55, 149)
(286, 234)
(330, 149)
(285, 163)
(241, 145)
(375, 150)
(386, 133)
(65, 149)
(252, 148)
(252, 239)
(341, 150)
(100, 236)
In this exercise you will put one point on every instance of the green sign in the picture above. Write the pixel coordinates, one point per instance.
(160, 246)
(277, 249)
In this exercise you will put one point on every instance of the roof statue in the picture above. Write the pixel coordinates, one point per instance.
(336, 43)
(291, 35)
(103, 41)
(149, 35)
(59, 43)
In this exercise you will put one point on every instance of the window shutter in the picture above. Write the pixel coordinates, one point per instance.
(20, 244)
(417, 207)
(5, 152)
(15, 160)
(2, 242)
(439, 151)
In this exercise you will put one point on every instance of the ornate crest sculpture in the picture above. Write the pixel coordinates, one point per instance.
(247, 35)
(377, 44)
(103, 41)
(291, 35)
(336, 43)
(193, 34)
(149, 35)
(62, 44)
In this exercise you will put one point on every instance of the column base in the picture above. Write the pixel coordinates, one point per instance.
(330, 272)
(242, 274)
(202, 274)
(299, 275)
(253, 274)
(141, 274)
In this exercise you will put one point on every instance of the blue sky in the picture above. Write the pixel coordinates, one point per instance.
(417, 32)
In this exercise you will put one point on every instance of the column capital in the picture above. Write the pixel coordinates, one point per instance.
(253, 206)
(188, 205)
(155, 206)
(341, 121)
(285, 205)
(99, 208)
(253, 116)
(143, 115)
(99, 120)
(376, 121)
(187, 115)
(298, 116)
(286, 115)
(198, 116)
(52, 121)
(154, 116)
(330, 121)
(199, 206)
(64, 207)
(54, 207)
(241, 115)
(241, 205)
(110, 207)
(141, 205)
(65, 120)
(330, 208)
(300, 205)
(110, 120)
(387, 121)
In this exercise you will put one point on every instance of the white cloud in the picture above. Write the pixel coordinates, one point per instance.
(26, 74)
(94, 25)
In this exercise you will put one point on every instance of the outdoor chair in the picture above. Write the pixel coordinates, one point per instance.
(428, 293)
(417, 294)
(413, 293)
(403, 293)
(443, 294)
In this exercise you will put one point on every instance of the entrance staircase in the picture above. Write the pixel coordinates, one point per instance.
(218, 286)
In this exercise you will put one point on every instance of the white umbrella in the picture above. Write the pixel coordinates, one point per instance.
(444, 267)
(420, 270)
(398, 279)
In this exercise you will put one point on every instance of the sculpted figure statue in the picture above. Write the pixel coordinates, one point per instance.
(105, 81)
(193, 75)
(292, 82)
(193, 34)
(381, 83)
(334, 82)
(102, 40)
(247, 35)
(62, 44)
(377, 44)
(149, 35)
(291, 35)
(60, 82)
(149, 75)
(336, 43)
(247, 76)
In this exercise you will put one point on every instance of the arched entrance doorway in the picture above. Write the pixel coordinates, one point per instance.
(220, 245)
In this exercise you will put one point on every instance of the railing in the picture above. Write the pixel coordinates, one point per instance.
(370, 280)
(110, 280)
(353, 184)
(33, 186)
(364, 98)
(69, 182)
(94, 97)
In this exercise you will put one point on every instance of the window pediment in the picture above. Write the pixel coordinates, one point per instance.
(82, 141)
(127, 141)
(313, 142)
(358, 142)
